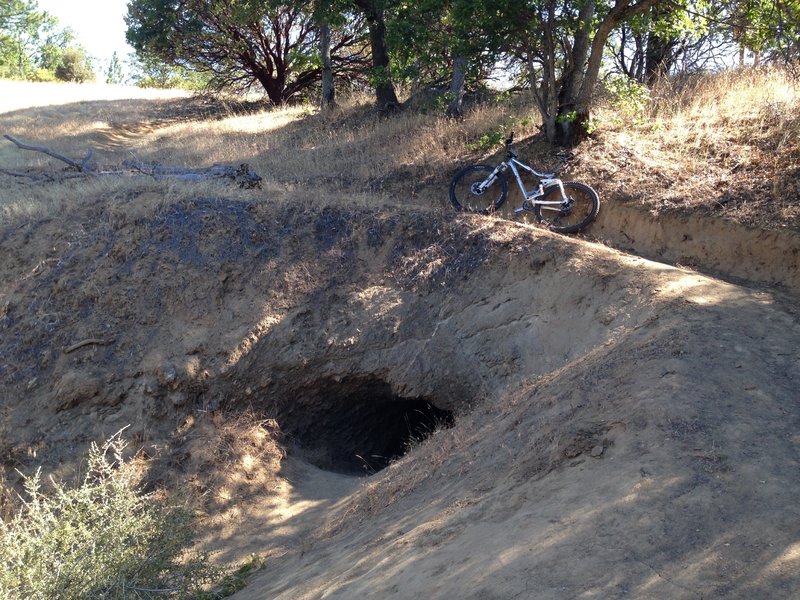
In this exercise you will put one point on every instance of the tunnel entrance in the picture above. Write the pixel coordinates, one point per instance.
(359, 425)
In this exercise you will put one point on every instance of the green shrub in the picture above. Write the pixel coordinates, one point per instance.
(43, 75)
(488, 140)
(628, 97)
(75, 66)
(103, 539)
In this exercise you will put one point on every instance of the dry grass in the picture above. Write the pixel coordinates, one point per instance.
(229, 459)
(349, 153)
(726, 144)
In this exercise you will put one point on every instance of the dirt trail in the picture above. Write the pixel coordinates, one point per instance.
(598, 425)
(723, 248)
(660, 462)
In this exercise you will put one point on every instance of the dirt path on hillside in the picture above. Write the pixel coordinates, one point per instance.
(620, 428)
(717, 247)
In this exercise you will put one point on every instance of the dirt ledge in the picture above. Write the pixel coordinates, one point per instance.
(711, 245)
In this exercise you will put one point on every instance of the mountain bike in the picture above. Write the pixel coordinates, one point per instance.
(562, 206)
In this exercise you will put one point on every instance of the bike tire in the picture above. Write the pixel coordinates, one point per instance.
(586, 205)
(463, 195)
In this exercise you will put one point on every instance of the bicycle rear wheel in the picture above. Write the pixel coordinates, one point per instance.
(467, 195)
(580, 209)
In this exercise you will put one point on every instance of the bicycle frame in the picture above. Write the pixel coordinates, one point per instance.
(545, 180)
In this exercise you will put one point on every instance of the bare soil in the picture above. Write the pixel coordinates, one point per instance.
(560, 419)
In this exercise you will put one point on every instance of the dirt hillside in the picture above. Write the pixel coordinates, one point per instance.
(396, 401)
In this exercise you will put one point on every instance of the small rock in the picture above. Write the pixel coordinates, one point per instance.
(597, 451)
(77, 387)
(167, 376)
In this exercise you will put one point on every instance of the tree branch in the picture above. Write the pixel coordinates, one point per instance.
(81, 166)
(241, 174)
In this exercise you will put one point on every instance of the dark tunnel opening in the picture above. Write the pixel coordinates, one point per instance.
(359, 425)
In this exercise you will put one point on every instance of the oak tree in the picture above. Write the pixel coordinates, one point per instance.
(239, 42)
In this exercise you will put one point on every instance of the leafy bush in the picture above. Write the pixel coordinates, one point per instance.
(497, 134)
(627, 96)
(42, 75)
(75, 66)
(488, 140)
(105, 539)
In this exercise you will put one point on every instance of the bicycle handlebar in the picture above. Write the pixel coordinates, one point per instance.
(564, 157)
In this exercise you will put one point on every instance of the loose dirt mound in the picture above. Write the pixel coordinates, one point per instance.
(594, 425)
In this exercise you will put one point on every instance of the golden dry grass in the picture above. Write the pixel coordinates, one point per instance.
(724, 143)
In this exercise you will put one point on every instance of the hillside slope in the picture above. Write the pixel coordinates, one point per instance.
(621, 427)
(386, 399)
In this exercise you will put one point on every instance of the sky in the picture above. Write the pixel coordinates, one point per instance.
(99, 26)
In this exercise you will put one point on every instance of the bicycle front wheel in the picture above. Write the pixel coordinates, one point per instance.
(574, 214)
(472, 191)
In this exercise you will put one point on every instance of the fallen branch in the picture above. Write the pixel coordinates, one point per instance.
(89, 342)
(44, 176)
(241, 174)
(81, 166)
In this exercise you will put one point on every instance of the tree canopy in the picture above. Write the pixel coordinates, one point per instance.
(555, 49)
(34, 46)
(239, 43)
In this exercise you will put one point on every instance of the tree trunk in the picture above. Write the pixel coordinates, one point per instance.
(546, 92)
(575, 102)
(660, 51)
(571, 124)
(272, 83)
(385, 96)
(658, 58)
(456, 92)
(328, 92)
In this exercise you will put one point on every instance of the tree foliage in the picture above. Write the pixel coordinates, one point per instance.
(20, 25)
(114, 74)
(653, 43)
(771, 27)
(34, 46)
(149, 72)
(426, 38)
(241, 42)
(559, 47)
(75, 66)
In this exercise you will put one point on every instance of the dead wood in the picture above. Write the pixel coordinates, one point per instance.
(241, 174)
(89, 342)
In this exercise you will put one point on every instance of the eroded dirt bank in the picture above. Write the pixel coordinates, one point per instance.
(608, 427)
(713, 245)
